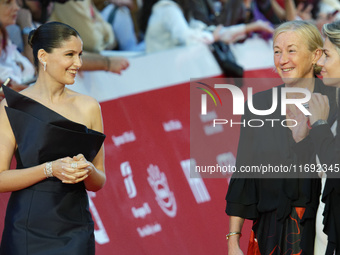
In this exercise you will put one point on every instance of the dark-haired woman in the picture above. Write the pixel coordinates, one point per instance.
(56, 136)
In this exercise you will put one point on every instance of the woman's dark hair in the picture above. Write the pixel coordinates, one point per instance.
(49, 36)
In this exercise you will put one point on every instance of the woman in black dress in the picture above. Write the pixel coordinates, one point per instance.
(278, 206)
(56, 136)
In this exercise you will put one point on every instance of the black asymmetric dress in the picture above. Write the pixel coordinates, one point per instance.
(50, 217)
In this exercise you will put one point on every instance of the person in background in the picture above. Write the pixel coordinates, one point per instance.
(12, 63)
(117, 14)
(212, 13)
(56, 136)
(34, 13)
(85, 18)
(168, 24)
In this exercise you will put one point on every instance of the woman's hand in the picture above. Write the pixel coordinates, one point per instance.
(318, 107)
(117, 64)
(71, 171)
(80, 158)
(301, 129)
(234, 245)
(235, 251)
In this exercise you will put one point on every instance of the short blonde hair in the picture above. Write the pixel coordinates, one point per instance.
(332, 31)
(308, 31)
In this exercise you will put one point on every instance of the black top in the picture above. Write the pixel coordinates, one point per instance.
(327, 147)
(49, 217)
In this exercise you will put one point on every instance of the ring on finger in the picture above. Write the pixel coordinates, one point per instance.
(74, 164)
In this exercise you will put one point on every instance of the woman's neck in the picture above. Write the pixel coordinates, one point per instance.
(308, 83)
(51, 91)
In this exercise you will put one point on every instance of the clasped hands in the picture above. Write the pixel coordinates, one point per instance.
(72, 170)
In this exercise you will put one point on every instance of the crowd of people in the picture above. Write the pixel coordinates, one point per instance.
(44, 44)
(145, 26)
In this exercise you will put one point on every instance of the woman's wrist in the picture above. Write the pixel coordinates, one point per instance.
(48, 170)
(234, 233)
(234, 241)
(318, 123)
(107, 64)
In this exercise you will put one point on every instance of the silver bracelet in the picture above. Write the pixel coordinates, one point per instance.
(48, 170)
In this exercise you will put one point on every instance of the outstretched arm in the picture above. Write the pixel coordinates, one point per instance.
(97, 62)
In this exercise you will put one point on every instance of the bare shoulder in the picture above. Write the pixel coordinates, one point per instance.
(86, 103)
(90, 110)
(82, 98)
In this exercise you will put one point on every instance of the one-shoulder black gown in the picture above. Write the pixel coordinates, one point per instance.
(50, 217)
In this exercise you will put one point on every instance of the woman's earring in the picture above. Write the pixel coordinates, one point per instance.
(44, 64)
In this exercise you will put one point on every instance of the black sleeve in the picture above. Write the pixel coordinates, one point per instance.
(327, 148)
(242, 191)
(305, 150)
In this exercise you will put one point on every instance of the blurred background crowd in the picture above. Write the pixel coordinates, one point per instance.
(144, 26)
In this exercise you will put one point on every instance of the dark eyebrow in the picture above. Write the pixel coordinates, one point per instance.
(72, 51)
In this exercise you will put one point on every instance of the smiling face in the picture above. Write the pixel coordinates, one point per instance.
(330, 63)
(8, 12)
(292, 57)
(64, 62)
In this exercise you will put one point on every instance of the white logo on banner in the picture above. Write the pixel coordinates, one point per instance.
(100, 234)
(198, 188)
(164, 197)
(172, 125)
(142, 211)
(148, 230)
(126, 137)
(226, 159)
(126, 171)
(209, 128)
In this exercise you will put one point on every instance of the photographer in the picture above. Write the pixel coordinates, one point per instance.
(34, 13)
